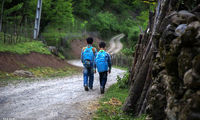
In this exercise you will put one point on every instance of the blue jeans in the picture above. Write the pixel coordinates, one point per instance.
(88, 73)
(103, 78)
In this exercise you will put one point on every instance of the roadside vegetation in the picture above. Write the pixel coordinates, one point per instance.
(112, 101)
(63, 20)
(120, 67)
(38, 72)
(25, 48)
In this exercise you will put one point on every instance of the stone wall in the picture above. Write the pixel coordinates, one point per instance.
(176, 69)
(171, 45)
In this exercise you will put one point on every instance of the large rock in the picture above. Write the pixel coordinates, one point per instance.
(177, 20)
(23, 73)
(184, 61)
(196, 64)
(191, 38)
(175, 46)
(188, 78)
(187, 16)
(53, 50)
(180, 29)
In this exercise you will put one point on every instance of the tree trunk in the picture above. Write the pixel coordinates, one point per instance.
(1, 19)
(141, 69)
(137, 87)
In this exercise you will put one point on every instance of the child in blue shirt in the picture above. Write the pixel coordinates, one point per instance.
(103, 63)
(88, 55)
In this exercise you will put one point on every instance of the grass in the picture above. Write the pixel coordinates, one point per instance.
(51, 72)
(111, 103)
(121, 68)
(38, 72)
(13, 38)
(23, 47)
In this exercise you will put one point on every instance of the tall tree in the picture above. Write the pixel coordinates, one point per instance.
(1, 19)
(81, 8)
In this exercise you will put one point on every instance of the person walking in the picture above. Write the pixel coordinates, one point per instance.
(88, 55)
(103, 63)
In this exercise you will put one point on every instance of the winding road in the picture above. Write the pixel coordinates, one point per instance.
(115, 44)
(54, 99)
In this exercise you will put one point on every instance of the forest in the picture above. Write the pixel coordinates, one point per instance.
(71, 18)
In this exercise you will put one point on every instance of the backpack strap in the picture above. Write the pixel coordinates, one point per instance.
(84, 48)
(93, 49)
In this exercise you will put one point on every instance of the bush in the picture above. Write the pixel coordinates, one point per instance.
(123, 82)
(128, 51)
(104, 22)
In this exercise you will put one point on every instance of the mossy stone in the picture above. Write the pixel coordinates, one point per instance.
(196, 64)
(188, 39)
(171, 65)
(184, 61)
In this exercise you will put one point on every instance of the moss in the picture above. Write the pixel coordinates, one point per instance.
(184, 61)
(196, 64)
(171, 65)
(161, 52)
(188, 39)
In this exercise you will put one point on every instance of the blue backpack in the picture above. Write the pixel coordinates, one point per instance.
(88, 57)
(102, 61)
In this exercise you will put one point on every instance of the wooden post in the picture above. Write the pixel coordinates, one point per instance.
(37, 19)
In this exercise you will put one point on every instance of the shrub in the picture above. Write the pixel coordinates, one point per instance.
(123, 82)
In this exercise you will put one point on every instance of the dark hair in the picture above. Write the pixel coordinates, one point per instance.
(102, 44)
(89, 40)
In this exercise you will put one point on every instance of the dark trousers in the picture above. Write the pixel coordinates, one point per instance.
(103, 78)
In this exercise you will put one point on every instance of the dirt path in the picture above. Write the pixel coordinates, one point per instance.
(61, 98)
(115, 44)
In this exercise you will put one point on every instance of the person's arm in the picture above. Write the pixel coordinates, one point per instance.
(82, 55)
(109, 63)
(95, 54)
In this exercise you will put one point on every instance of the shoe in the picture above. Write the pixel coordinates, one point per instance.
(91, 88)
(102, 90)
(86, 88)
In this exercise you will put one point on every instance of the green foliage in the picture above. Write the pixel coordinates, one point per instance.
(61, 56)
(104, 23)
(81, 8)
(53, 38)
(131, 29)
(128, 51)
(109, 111)
(17, 7)
(62, 12)
(112, 101)
(25, 48)
(53, 33)
(143, 19)
(123, 82)
(61, 17)
(8, 38)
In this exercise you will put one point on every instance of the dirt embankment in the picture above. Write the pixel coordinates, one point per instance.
(77, 45)
(10, 62)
